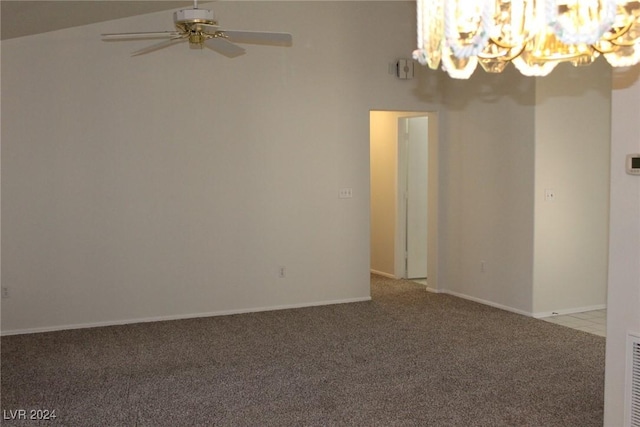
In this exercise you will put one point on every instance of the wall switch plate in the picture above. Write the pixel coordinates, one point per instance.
(346, 193)
(5, 292)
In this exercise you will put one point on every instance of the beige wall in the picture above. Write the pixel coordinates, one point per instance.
(487, 174)
(176, 184)
(384, 160)
(504, 147)
(573, 137)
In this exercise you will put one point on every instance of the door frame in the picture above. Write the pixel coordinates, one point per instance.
(386, 222)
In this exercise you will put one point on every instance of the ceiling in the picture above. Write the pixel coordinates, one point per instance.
(24, 17)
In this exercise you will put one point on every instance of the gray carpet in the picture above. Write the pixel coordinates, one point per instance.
(407, 358)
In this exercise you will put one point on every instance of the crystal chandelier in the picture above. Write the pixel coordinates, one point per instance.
(535, 35)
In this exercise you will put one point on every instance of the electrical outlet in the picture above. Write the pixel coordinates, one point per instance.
(549, 195)
(282, 272)
(5, 292)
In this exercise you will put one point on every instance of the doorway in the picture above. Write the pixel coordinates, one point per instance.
(404, 195)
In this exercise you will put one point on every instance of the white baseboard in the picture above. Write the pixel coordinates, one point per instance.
(489, 303)
(382, 273)
(524, 313)
(542, 314)
(177, 317)
(427, 287)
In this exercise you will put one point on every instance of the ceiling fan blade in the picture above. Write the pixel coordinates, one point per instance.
(140, 36)
(224, 46)
(209, 28)
(259, 37)
(158, 46)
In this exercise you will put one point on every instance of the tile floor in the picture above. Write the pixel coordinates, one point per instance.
(594, 322)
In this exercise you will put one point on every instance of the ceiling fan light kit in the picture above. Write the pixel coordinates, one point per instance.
(200, 29)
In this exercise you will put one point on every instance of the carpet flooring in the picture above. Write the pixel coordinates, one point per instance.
(406, 358)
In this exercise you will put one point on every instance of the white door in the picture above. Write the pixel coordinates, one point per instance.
(414, 153)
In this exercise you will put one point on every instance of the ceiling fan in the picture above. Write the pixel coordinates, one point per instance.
(200, 29)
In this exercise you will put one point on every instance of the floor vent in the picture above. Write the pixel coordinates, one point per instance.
(634, 384)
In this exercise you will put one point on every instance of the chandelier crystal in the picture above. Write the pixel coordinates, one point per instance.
(534, 35)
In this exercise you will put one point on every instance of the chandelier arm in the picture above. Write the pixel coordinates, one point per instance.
(503, 57)
(623, 43)
(600, 50)
(509, 46)
(618, 33)
(615, 38)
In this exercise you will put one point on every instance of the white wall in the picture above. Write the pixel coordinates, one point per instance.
(623, 313)
(487, 181)
(572, 158)
(176, 183)
(510, 137)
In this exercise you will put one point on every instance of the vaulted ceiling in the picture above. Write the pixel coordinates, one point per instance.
(25, 17)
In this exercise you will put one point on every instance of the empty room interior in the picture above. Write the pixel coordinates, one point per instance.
(217, 183)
